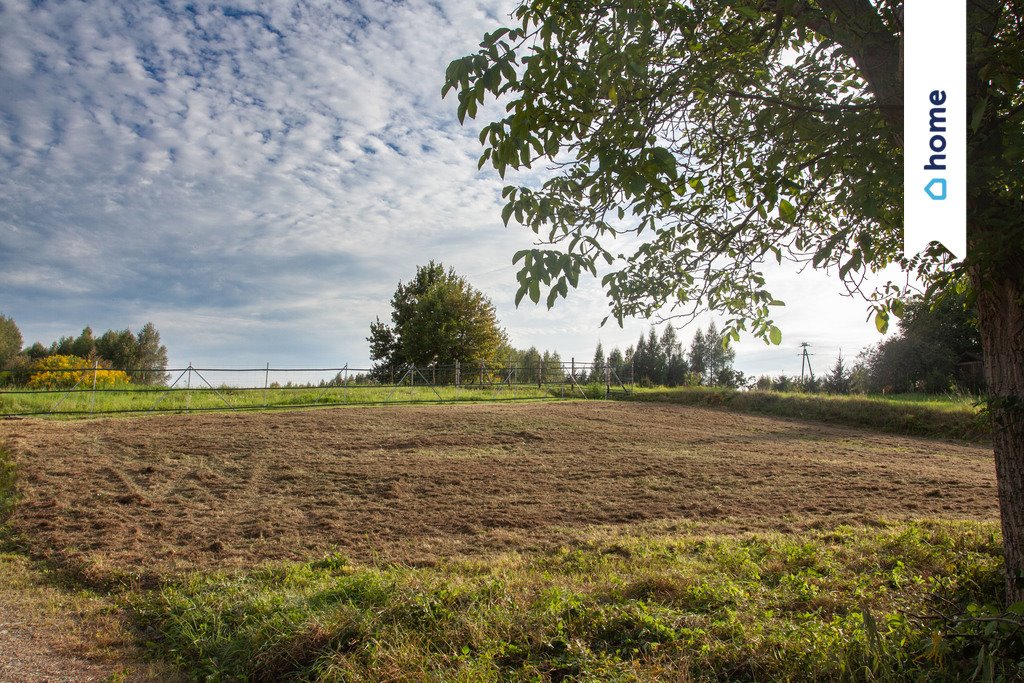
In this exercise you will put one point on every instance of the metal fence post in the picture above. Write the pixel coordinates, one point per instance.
(95, 368)
(458, 380)
(266, 386)
(188, 388)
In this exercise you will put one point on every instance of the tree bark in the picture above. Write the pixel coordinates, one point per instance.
(1001, 322)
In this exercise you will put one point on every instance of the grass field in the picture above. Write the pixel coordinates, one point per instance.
(141, 399)
(535, 541)
(912, 414)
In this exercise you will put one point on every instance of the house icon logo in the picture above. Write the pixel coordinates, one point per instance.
(936, 189)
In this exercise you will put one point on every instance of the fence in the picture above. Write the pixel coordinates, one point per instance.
(96, 390)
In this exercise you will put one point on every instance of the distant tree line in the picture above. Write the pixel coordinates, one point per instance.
(937, 349)
(662, 361)
(140, 355)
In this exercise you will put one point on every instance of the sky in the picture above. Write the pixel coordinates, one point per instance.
(255, 178)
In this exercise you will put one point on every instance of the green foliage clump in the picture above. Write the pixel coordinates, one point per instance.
(10, 340)
(844, 604)
(141, 356)
(438, 317)
(925, 355)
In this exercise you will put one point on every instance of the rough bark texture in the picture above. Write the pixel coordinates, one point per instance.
(1001, 321)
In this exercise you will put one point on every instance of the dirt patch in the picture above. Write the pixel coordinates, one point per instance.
(168, 493)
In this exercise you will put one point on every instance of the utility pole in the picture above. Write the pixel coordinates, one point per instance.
(805, 360)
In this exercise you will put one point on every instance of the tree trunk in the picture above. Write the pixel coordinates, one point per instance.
(1001, 322)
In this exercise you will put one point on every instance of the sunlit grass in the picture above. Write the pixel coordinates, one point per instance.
(835, 605)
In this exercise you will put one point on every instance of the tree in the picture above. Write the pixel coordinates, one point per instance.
(617, 362)
(676, 367)
(925, 354)
(838, 379)
(719, 358)
(150, 357)
(10, 340)
(117, 347)
(780, 136)
(699, 356)
(597, 365)
(438, 317)
(658, 362)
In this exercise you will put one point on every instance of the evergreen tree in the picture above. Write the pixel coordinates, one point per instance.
(675, 359)
(598, 364)
(618, 364)
(658, 364)
(699, 356)
(84, 346)
(838, 379)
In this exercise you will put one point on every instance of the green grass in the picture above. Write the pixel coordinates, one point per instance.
(839, 605)
(913, 414)
(147, 399)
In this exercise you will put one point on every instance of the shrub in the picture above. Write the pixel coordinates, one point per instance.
(54, 372)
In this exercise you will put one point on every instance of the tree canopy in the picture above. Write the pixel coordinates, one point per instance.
(719, 135)
(437, 317)
(141, 356)
(726, 134)
(932, 341)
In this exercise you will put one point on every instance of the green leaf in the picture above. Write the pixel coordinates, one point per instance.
(520, 294)
(787, 211)
(664, 160)
(882, 321)
(534, 290)
(775, 335)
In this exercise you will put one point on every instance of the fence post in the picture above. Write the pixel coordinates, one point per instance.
(458, 379)
(188, 388)
(266, 386)
(95, 367)
(344, 384)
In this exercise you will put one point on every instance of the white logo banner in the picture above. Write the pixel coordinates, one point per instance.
(935, 125)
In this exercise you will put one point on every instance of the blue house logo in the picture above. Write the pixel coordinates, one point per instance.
(936, 189)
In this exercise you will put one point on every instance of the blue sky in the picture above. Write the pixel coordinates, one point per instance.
(256, 177)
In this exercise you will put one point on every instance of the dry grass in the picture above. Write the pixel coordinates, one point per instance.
(51, 630)
(153, 496)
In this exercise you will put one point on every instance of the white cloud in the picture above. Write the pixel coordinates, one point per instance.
(253, 180)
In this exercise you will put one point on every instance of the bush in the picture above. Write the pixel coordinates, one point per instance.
(55, 372)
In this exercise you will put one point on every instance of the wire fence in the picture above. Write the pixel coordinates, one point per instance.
(98, 390)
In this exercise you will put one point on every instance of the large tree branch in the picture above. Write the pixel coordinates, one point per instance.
(857, 28)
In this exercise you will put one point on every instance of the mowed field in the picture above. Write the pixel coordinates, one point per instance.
(160, 495)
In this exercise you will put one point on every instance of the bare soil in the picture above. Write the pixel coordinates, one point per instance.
(162, 494)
